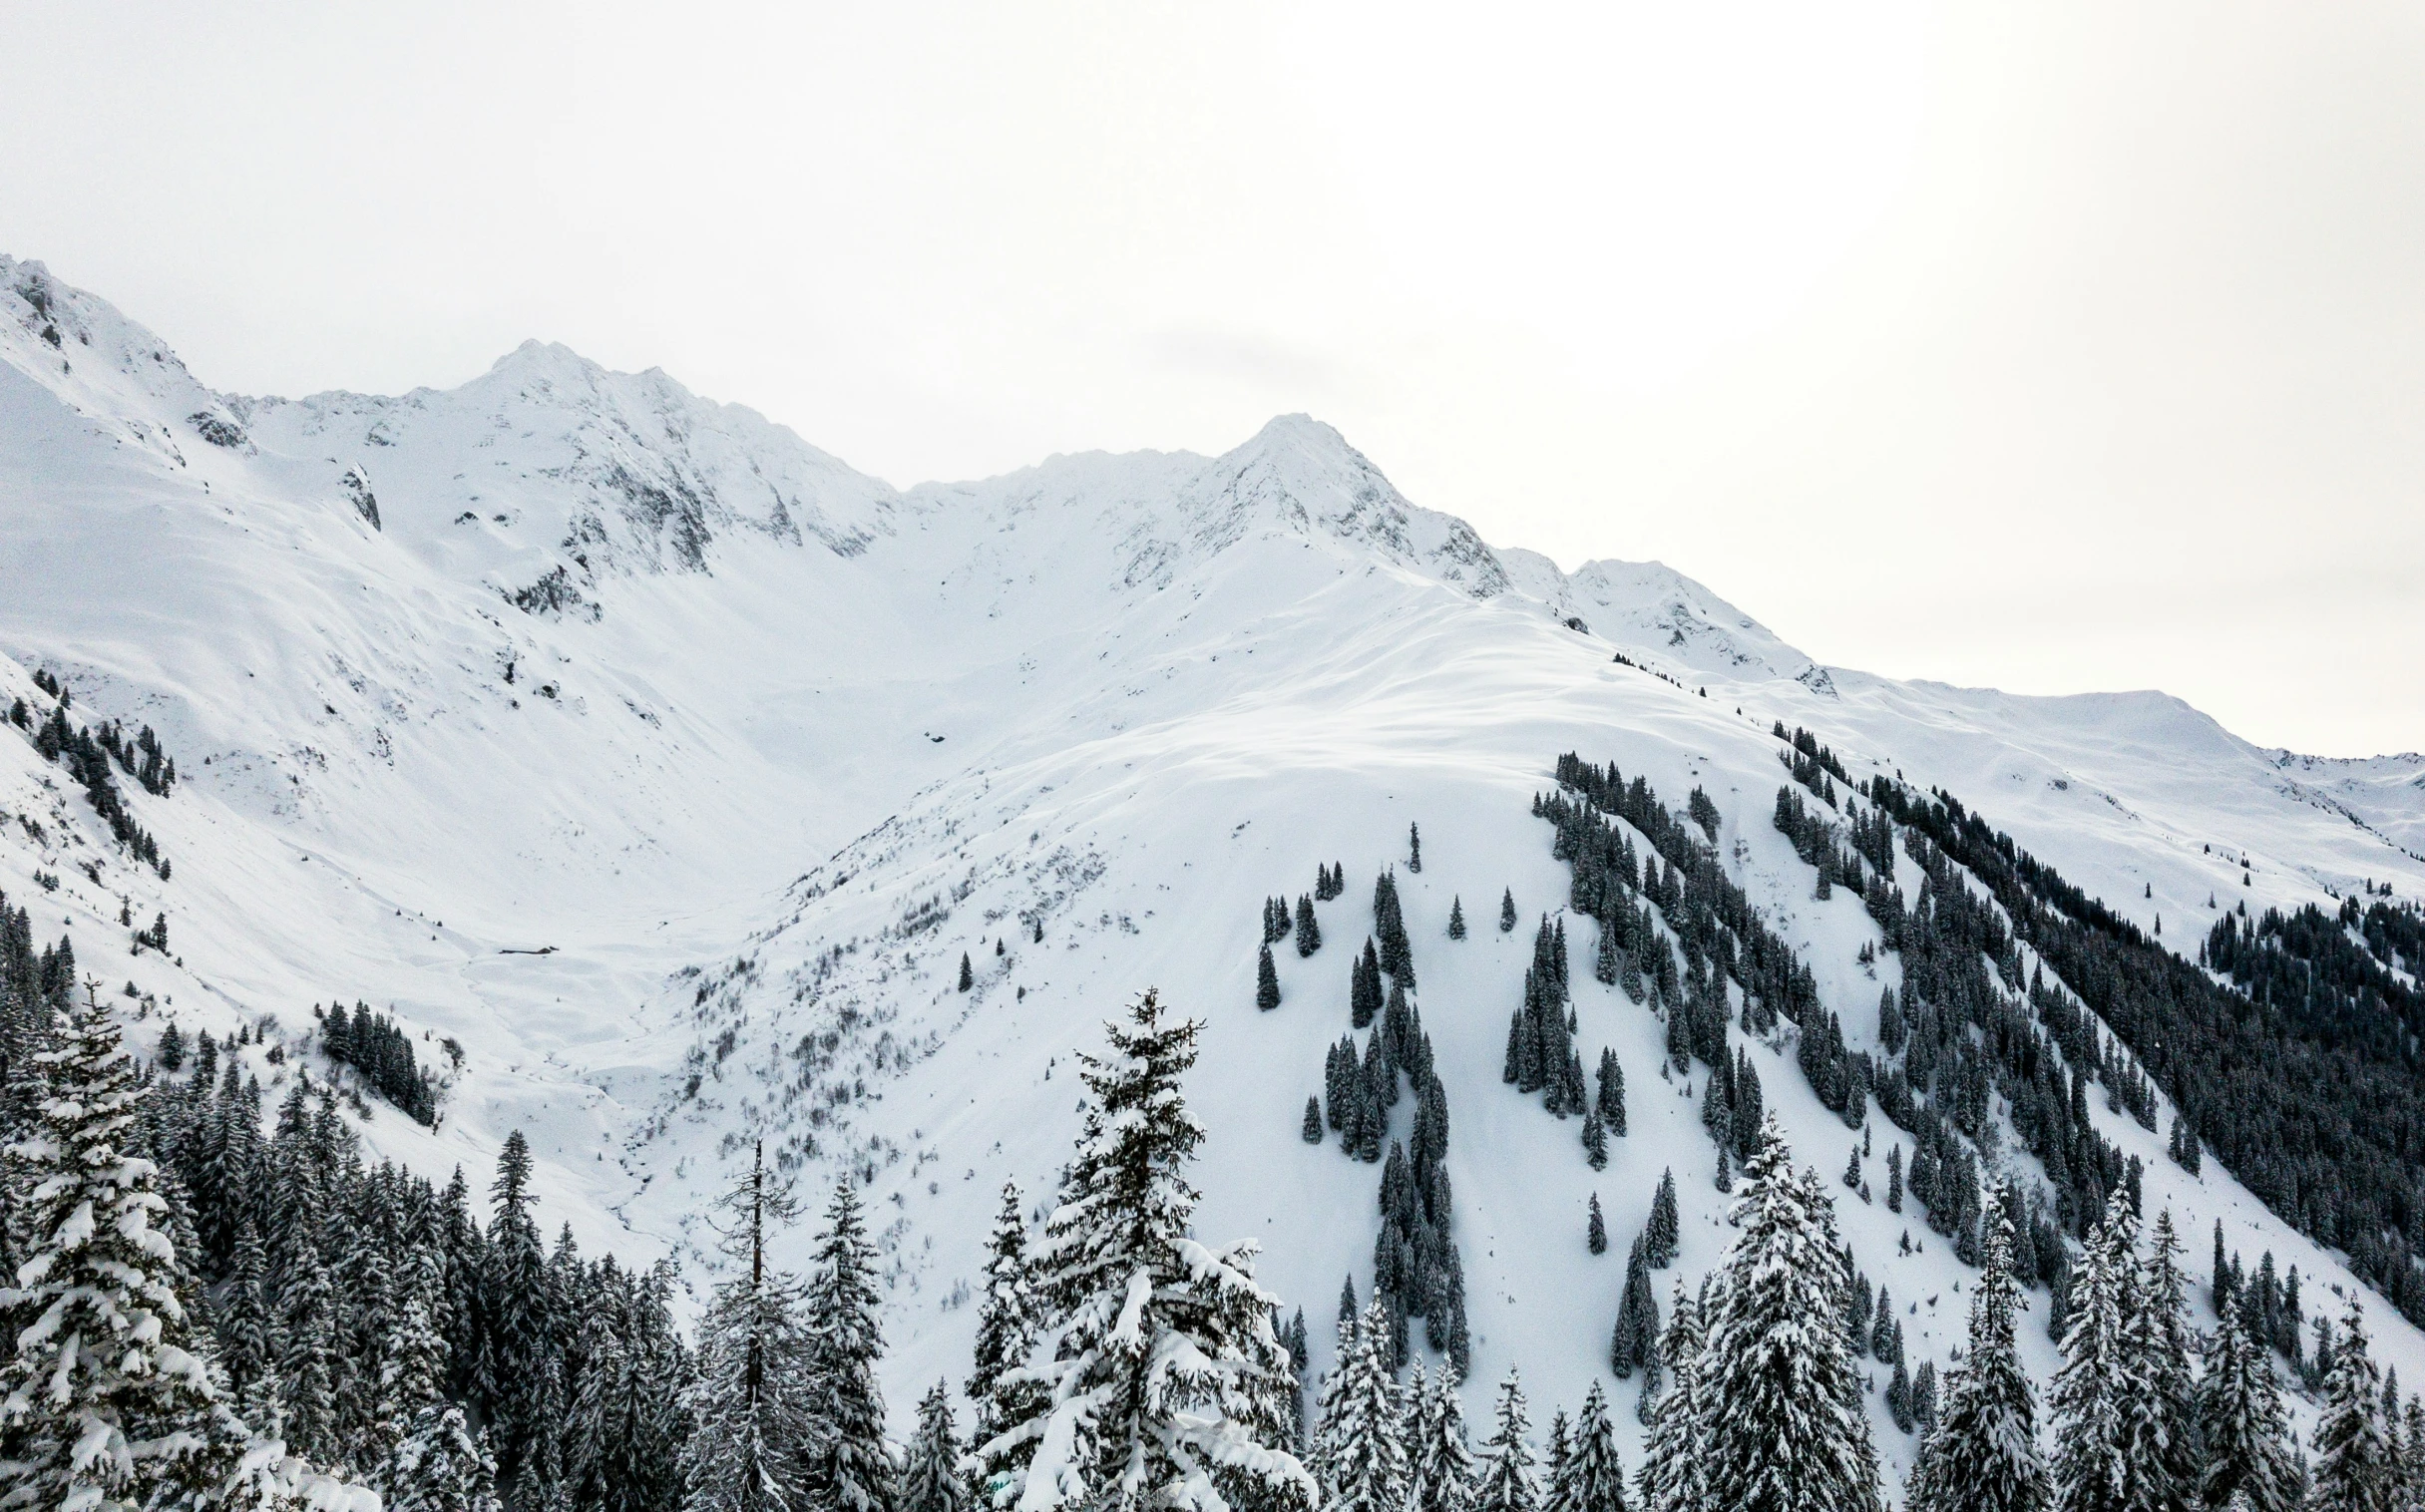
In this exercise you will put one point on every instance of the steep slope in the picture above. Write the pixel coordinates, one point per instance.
(754, 748)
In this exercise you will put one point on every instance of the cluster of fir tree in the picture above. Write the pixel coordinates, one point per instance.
(1873, 1330)
(2270, 1311)
(117, 1389)
(1330, 881)
(2307, 964)
(378, 1047)
(1541, 1056)
(786, 1408)
(2142, 1415)
(1757, 1410)
(1712, 918)
(2393, 930)
(1120, 1360)
(1820, 845)
(374, 1316)
(90, 753)
(1959, 1032)
(2319, 1121)
(1721, 936)
(1417, 1271)
(1812, 764)
(1634, 1343)
(1361, 1087)
(1386, 1445)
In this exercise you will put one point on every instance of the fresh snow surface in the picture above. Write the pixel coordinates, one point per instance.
(684, 852)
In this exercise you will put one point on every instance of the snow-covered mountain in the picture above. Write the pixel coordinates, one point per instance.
(670, 767)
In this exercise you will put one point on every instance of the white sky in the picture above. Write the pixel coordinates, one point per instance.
(2051, 347)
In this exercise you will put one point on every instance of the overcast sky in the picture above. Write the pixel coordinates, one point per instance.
(2050, 347)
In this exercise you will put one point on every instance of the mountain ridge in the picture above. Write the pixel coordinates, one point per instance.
(787, 741)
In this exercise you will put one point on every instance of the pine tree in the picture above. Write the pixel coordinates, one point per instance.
(1312, 1128)
(1440, 1465)
(1504, 1480)
(2241, 1422)
(968, 973)
(1457, 920)
(2165, 1417)
(1363, 1457)
(1982, 1454)
(749, 1408)
(1596, 1141)
(1267, 982)
(1635, 1339)
(1610, 1104)
(1596, 1232)
(443, 1466)
(1589, 1478)
(1006, 1327)
(1414, 848)
(1506, 912)
(1159, 1357)
(2099, 1382)
(109, 1398)
(1670, 1475)
(849, 1466)
(2354, 1472)
(1784, 1427)
(933, 1482)
(1661, 1235)
(1309, 930)
(516, 1298)
(106, 1402)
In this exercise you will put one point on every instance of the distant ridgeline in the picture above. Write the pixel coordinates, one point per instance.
(88, 751)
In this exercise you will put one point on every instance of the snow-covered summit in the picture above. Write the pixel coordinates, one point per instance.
(670, 766)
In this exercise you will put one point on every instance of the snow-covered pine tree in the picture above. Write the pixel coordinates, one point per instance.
(1005, 1324)
(1364, 1458)
(515, 1303)
(1506, 912)
(931, 1481)
(1595, 1231)
(442, 1466)
(1440, 1466)
(1457, 918)
(749, 1408)
(848, 1464)
(1670, 1480)
(2241, 1422)
(2354, 1472)
(1166, 1380)
(1590, 1479)
(1982, 1455)
(2098, 1380)
(1309, 932)
(2165, 1417)
(1267, 981)
(1503, 1481)
(1414, 848)
(1783, 1426)
(106, 1400)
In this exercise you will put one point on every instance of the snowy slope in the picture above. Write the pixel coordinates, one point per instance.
(754, 747)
